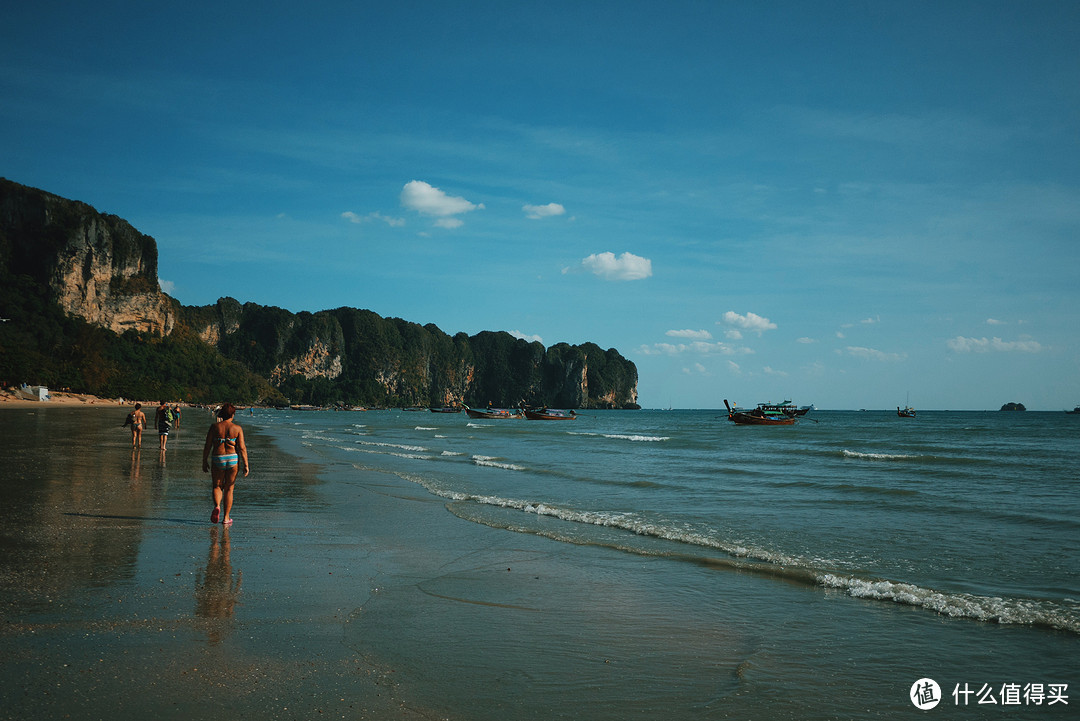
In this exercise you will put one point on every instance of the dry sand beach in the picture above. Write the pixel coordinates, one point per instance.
(8, 399)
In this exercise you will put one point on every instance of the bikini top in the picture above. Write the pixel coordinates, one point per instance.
(227, 440)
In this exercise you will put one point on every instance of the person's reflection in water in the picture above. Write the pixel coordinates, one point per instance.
(133, 469)
(216, 593)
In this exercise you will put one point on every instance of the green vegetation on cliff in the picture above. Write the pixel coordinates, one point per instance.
(42, 345)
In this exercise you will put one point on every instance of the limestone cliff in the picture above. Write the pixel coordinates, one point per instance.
(94, 266)
(358, 356)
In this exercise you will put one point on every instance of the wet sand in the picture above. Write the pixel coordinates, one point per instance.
(120, 599)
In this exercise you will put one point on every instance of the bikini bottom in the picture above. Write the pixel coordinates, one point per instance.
(227, 460)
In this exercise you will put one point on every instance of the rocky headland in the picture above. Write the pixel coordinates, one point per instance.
(70, 273)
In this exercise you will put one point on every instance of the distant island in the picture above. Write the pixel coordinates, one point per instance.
(83, 310)
(1013, 407)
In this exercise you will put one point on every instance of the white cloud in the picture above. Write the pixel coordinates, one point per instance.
(750, 321)
(538, 212)
(690, 334)
(960, 344)
(529, 338)
(449, 223)
(698, 369)
(871, 321)
(872, 354)
(167, 286)
(805, 339)
(388, 219)
(995, 321)
(732, 334)
(626, 267)
(734, 367)
(360, 219)
(428, 200)
(771, 372)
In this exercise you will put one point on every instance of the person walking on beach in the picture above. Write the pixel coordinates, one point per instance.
(224, 448)
(163, 419)
(138, 422)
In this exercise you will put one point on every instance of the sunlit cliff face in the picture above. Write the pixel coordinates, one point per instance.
(318, 361)
(102, 269)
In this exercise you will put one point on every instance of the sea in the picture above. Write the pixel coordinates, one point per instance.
(854, 565)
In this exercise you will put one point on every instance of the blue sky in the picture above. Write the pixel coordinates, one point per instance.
(851, 204)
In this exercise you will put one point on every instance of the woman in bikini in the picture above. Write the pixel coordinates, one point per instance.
(138, 422)
(226, 440)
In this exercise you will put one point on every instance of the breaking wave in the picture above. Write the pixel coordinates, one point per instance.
(756, 559)
(878, 456)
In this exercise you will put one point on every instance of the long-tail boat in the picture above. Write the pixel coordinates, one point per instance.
(549, 414)
(760, 416)
(493, 413)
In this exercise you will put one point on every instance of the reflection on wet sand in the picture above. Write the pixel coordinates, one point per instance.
(133, 469)
(216, 592)
(71, 505)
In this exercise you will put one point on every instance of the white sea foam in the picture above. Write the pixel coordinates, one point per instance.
(625, 437)
(960, 605)
(494, 462)
(877, 456)
(1005, 611)
(610, 519)
(378, 444)
(452, 453)
(425, 428)
(380, 449)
